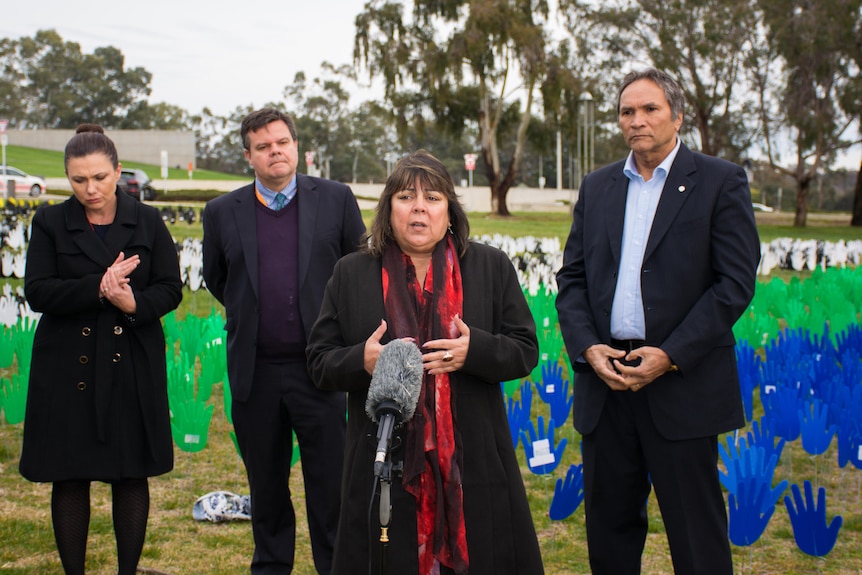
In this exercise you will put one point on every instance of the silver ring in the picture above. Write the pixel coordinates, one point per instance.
(447, 356)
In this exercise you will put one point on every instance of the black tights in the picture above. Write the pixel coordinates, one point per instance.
(70, 510)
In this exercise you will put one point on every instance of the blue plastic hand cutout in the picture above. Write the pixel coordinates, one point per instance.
(518, 412)
(568, 494)
(762, 435)
(782, 405)
(543, 454)
(750, 512)
(812, 534)
(816, 434)
(555, 392)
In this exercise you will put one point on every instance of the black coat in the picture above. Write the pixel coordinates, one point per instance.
(501, 538)
(97, 406)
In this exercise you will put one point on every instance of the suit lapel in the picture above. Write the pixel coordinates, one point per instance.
(615, 213)
(678, 187)
(246, 224)
(308, 209)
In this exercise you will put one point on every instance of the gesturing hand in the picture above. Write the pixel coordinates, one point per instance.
(447, 355)
(373, 347)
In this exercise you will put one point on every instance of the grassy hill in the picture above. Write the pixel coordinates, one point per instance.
(49, 164)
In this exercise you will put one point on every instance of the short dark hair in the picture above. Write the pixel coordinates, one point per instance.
(672, 91)
(90, 139)
(260, 118)
(432, 174)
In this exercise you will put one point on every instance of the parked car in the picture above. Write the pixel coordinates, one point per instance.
(758, 207)
(24, 183)
(137, 184)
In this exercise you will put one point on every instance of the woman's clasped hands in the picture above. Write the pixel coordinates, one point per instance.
(115, 287)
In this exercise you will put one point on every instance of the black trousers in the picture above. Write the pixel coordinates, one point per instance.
(283, 399)
(621, 456)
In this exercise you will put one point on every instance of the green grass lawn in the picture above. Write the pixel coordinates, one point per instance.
(178, 545)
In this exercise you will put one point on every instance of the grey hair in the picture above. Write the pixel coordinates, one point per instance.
(672, 91)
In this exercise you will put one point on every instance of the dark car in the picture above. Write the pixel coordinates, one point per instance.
(137, 184)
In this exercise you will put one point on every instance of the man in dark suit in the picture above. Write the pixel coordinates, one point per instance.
(269, 249)
(659, 264)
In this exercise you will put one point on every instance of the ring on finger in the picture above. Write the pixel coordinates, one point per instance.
(447, 356)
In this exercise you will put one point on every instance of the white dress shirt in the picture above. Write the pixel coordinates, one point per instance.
(627, 313)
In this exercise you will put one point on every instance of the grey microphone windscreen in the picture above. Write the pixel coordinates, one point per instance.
(397, 377)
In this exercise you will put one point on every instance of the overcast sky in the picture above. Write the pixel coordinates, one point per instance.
(216, 54)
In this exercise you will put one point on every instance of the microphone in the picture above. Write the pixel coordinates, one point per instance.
(394, 392)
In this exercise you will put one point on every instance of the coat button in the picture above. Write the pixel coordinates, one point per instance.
(82, 386)
(85, 331)
(83, 359)
(116, 358)
(118, 330)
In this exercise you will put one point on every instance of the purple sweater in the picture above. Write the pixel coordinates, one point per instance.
(280, 335)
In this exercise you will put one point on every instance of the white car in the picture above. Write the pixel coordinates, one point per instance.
(24, 183)
(758, 207)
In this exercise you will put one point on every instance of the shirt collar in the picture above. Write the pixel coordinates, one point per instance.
(268, 195)
(631, 171)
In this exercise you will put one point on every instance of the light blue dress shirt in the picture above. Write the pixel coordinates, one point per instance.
(269, 195)
(627, 313)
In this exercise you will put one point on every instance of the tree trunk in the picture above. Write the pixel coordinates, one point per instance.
(856, 220)
(802, 189)
(499, 191)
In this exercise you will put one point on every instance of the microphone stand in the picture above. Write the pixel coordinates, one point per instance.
(390, 470)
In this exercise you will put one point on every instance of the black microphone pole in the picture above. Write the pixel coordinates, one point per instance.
(389, 416)
(396, 384)
(385, 516)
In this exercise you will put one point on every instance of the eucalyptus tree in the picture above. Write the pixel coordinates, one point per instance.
(64, 87)
(12, 101)
(453, 62)
(702, 43)
(321, 111)
(812, 105)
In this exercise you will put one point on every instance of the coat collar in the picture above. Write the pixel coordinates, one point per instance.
(119, 233)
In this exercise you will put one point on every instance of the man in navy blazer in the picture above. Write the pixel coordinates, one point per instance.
(658, 266)
(268, 251)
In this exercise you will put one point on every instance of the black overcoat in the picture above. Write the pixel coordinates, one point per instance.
(97, 406)
(501, 538)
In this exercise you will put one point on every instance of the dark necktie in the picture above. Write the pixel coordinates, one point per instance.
(279, 201)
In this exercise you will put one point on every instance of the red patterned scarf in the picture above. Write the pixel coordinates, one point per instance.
(433, 456)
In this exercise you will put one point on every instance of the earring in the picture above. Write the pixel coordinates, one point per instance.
(450, 229)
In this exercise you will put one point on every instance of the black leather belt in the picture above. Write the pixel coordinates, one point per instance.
(627, 344)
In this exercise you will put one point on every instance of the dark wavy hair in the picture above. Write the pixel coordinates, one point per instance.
(260, 118)
(90, 139)
(672, 91)
(432, 174)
